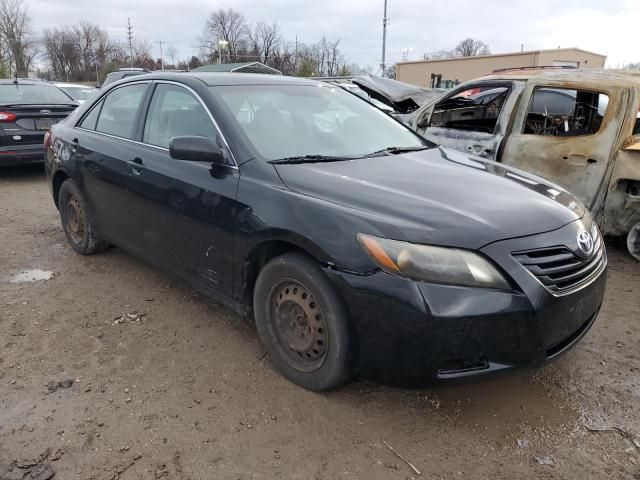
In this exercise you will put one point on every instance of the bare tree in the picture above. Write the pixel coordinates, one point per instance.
(228, 26)
(142, 54)
(15, 33)
(62, 52)
(321, 59)
(439, 54)
(78, 52)
(172, 53)
(284, 59)
(470, 48)
(335, 59)
(265, 40)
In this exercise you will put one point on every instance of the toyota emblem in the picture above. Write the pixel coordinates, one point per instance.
(585, 243)
(45, 112)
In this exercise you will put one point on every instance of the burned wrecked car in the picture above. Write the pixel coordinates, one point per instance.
(578, 128)
(399, 99)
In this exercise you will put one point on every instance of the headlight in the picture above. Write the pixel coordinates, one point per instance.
(433, 264)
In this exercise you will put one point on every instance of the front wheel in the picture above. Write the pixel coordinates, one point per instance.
(303, 323)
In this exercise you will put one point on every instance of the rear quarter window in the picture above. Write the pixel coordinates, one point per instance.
(90, 120)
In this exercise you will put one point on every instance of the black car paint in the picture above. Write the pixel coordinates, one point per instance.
(214, 225)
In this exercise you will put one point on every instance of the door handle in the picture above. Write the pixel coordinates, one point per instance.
(134, 164)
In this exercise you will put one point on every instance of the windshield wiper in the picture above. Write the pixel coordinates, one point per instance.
(310, 159)
(395, 150)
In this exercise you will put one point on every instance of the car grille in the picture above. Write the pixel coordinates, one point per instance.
(562, 271)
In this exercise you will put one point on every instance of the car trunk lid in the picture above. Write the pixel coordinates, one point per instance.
(31, 122)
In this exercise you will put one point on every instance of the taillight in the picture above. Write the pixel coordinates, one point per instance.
(7, 117)
(47, 140)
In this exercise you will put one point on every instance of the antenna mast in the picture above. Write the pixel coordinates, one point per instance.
(130, 36)
(385, 22)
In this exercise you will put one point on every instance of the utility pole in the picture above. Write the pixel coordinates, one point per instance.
(160, 42)
(130, 35)
(385, 21)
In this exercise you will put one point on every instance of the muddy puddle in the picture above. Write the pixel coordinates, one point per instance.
(503, 409)
(33, 275)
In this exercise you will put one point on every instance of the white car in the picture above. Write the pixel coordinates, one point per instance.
(80, 93)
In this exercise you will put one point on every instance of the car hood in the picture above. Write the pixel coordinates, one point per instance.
(402, 97)
(439, 196)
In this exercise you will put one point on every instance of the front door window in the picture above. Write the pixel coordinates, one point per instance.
(175, 112)
(475, 109)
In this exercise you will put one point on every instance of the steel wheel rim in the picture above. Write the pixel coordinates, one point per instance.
(75, 219)
(299, 325)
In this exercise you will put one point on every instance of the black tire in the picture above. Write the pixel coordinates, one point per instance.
(303, 323)
(633, 241)
(76, 221)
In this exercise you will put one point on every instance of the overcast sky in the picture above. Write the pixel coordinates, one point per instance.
(606, 26)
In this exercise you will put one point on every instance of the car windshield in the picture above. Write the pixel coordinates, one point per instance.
(31, 93)
(80, 93)
(285, 121)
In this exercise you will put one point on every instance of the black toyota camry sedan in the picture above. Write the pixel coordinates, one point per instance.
(358, 247)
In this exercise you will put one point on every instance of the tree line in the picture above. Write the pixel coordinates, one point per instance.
(86, 52)
(468, 47)
(228, 37)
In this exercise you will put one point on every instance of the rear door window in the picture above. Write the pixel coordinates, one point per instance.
(475, 109)
(563, 112)
(118, 114)
(175, 112)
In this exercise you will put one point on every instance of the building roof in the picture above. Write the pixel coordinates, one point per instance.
(245, 67)
(508, 54)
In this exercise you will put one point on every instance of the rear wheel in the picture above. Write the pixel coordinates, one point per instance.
(303, 323)
(76, 221)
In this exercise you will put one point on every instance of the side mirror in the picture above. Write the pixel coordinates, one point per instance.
(196, 149)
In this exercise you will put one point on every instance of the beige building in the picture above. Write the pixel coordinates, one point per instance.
(448, 72)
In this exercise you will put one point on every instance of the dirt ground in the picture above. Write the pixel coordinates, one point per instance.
(181, 388)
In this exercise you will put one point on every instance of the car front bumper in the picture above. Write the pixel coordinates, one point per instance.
(411, 332)
(21, 154)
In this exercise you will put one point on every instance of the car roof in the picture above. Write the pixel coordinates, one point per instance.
(220, 79)
(74, 85)
(594, 76)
